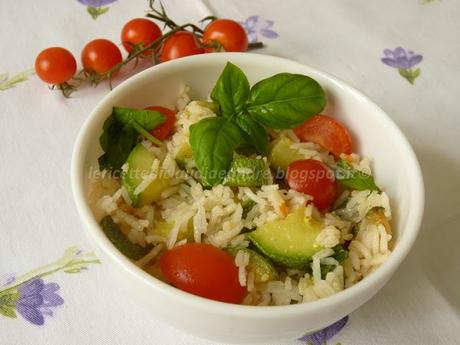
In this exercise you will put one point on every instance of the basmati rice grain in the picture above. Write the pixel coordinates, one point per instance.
(251, 279)
(316, 268)
(354, 259)
(150, 256)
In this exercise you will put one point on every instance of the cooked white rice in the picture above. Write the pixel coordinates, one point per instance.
(216, 217)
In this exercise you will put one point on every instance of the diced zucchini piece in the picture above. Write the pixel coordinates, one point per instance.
(262, 268)
(183, 155)
(140, 162)
(281, 154)
(162, 228)
(120, 241)
(289, 241)
(247, 172)
(247, 206)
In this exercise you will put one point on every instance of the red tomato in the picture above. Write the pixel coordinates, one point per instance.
(139, 31)
(314, 178)
(100, 56)
(327, 132)
(180, 44)
(55, 65)
(165, 129)
(203, 270)
(230, 34)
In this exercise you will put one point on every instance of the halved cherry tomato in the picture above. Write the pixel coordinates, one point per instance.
(100, 56)
(165, 129)
(139, 31)
(203, 270)
(55, 65)
(314, 178)
(327, 132)
(230, 34)
(180, 44)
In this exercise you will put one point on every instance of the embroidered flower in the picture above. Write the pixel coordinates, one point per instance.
(95, 7)
(321, 337)
(404, 61)
(37, 299)
(256, 27)
(29, 296)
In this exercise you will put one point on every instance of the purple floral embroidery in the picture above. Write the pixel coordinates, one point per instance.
(37, 299)
(256, 27)
(404, 61)
(96, 3)
(29, 296)
(321, 337)
(95, 7)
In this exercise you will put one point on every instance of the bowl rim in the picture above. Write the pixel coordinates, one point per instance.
(414, 219)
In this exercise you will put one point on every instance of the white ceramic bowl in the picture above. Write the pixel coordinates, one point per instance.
(375, 135)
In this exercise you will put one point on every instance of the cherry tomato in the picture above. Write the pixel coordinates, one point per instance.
(314, 178)
(100, 56)
(230, 34)
(180, 44)
(55, 65)
(165, 129)
(139, 31)
(203, 270)
(327, 132)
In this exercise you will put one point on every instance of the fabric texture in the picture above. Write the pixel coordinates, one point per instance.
(404, 54)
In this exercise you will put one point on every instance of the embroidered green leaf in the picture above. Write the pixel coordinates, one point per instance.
(409, 74)
(8, 303)
(72, 259)
(97, 11)
(6, 83)
(8, 311)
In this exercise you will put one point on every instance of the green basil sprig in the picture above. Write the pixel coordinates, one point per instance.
(231, 91)
(349, 177)
(213, 143)
(285, 100)
(122, 131)
(282, 101)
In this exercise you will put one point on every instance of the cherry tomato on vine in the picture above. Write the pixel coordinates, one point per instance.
(203, 270)
(164, 130)
(230, 34)
(327, 132)
(139, 31)
(180, 44)
(314, 178)
(55, 65)
(100, 56)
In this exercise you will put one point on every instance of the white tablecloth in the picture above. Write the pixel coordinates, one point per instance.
(349, 39)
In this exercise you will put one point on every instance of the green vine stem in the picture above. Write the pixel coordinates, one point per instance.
(70, 262)
(138, 52)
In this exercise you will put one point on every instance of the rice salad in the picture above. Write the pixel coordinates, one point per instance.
(289, 238)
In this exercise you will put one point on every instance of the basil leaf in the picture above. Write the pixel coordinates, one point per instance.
(147, 119)
(257, 135)
(340, 253)
(117, 141)
(121, 133)
(352, 178)
(231, 90)
(213, 141)
(285, 100)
